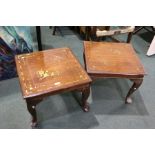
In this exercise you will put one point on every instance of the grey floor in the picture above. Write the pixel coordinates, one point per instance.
(107, 108)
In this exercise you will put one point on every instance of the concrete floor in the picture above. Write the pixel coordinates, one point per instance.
(107, 108)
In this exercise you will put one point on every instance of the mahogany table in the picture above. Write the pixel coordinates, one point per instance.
(113, 60)
(49, 72)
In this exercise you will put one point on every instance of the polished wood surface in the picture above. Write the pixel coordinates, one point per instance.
(115, 59)
(51, 70)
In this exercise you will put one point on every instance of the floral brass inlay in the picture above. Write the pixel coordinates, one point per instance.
(49, 70)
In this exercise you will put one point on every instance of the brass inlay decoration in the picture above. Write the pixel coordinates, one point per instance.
(48, 70)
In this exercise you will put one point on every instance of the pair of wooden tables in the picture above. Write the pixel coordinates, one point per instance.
(58, 70)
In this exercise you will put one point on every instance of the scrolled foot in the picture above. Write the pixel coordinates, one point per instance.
(85, 108)
(128, 100)
(33, 124)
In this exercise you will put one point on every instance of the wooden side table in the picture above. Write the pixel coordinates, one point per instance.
(113, 60)
(50, 72)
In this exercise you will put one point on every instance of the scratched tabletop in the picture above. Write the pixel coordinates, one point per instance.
(47, 71)
(112, 58)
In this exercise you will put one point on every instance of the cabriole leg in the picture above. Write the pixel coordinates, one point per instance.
(135, 86)
(31, 105)
(85, 95)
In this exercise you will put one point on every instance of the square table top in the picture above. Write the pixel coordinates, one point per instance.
(49, 71)
(112, 59)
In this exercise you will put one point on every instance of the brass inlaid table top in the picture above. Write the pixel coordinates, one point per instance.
(116, 59)
(49, 71)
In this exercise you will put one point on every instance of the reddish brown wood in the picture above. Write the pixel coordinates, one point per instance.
(31, 105)
(49, 72)
(135, 86)
(85, 95)
(113, 60)
(129, 37)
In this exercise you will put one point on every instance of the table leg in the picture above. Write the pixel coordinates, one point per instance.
(54, 29)
(135, 86)
(129, 37)
(31, 105)
(39, 38)
(84, 61)
(85, 95)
